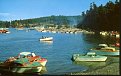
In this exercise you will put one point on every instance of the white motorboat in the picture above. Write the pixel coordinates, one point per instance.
(46, 39)
(90, 56)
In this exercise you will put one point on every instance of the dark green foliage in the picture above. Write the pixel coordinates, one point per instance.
(4, 24)
(56, 20)
(102, 18)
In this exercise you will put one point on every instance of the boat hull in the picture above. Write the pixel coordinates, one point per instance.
(78, 57)
(16, 71)
(21, 69)
(43, 63)
(27, 69)
(46, 39)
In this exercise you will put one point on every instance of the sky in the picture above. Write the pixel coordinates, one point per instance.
(26, 9)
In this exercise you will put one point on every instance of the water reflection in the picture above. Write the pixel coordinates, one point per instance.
(44, 70)
(8, 73)
(47, 42)
(91, 65)
(98, 39)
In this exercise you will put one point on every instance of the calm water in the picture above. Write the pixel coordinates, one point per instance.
(58, 52)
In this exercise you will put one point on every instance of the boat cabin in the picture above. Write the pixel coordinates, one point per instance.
(91, 54)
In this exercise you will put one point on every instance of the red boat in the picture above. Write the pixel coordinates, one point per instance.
(30, 56)
(116, 45)
(4, 31)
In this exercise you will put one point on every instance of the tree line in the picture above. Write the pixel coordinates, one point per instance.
(101, 18)
(55, 20)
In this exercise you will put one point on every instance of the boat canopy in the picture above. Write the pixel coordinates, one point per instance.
(105, 45)
(25, 53)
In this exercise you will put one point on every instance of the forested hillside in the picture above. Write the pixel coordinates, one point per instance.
(55, 20)
(4, 24)
(102, 18)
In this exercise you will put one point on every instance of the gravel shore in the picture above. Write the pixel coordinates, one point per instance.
(112, 69)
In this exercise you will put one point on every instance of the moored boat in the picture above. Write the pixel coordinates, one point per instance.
(90, 56)
(25, 62)
(4, 31)
(46, 38)
(104, 49)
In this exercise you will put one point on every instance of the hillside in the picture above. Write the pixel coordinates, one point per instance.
(102, 18)
(54, 20)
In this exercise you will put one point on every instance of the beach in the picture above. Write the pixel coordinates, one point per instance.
(111, 69)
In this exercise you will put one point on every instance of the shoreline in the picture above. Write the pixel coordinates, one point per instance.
(111, 69)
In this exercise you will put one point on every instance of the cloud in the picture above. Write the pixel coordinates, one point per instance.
(5, 14)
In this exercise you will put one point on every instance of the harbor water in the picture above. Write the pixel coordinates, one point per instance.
(58, 52)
